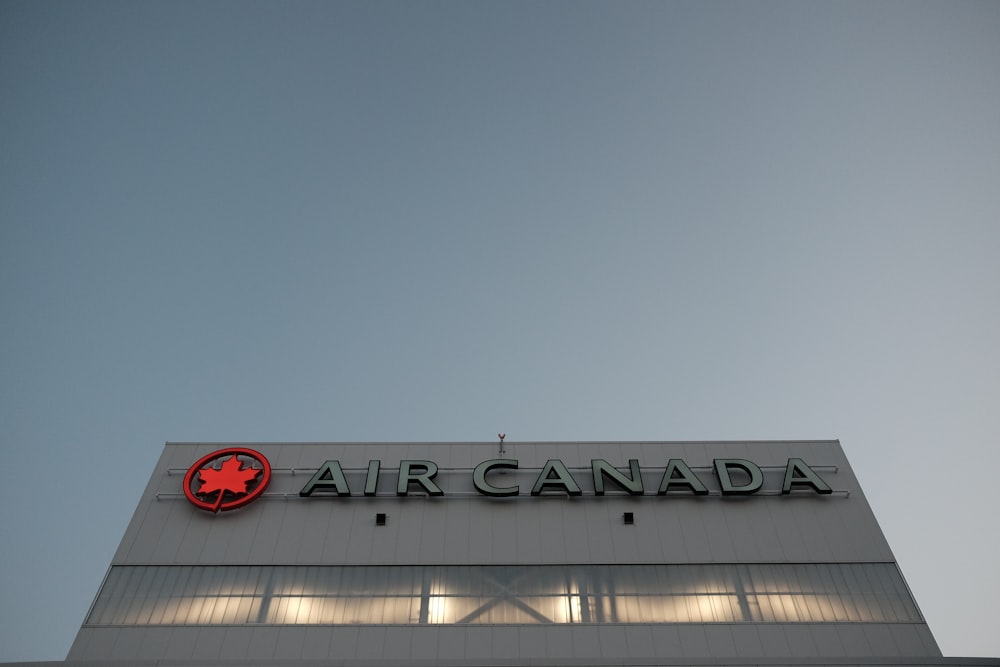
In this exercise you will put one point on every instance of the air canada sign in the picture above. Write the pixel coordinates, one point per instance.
(230, 478)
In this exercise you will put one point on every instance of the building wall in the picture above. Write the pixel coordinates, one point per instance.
(464, 527)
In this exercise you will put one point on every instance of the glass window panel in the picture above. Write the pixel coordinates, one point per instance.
(809, 608)
(297, 580)
(776, 582)
(794, 608)
(153, 594)
(835, 606)
(136, 611)
(128, 593)
(897, 594)
(624, 609)
(874, 592)
(205, 605)
(246, 610)
(843, 601)
(166, 609)
(770, 608)
(108, 598)
(850, 586)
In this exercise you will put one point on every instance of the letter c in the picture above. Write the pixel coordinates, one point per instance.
(487, 489)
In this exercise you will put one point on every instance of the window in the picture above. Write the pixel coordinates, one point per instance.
(497, 594)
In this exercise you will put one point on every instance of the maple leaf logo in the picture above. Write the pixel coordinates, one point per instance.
(230, 477)
(240, 478)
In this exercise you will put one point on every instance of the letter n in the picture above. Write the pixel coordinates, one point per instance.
(631, 484)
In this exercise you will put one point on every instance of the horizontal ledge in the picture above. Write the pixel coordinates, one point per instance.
(364, 470)
(474, 494)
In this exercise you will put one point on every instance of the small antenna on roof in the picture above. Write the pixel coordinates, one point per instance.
(502, 450)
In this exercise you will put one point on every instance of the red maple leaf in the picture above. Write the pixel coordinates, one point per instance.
(231, 477)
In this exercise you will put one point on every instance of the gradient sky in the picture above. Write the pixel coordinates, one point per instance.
(418, 221)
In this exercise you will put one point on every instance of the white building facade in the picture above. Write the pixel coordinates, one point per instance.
(557, 553)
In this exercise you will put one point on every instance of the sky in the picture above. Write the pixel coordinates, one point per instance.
(437, 221)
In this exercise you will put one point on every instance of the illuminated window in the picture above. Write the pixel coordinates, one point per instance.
(496, 594)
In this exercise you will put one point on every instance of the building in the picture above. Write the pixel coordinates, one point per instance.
(562, 553)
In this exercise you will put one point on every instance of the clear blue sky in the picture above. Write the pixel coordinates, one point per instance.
(436, 221)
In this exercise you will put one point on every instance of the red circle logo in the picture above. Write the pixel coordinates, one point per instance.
(241, 477)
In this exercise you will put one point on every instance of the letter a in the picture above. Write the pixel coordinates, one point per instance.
(330, 476)
(806, 476)
(678, 473)
(555, 474)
